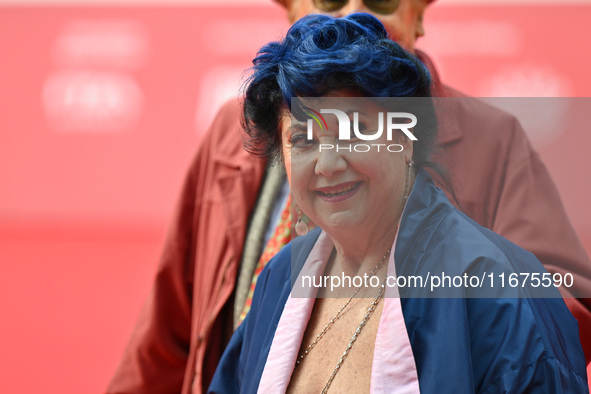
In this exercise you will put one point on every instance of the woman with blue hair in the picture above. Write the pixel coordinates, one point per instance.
(330, 311)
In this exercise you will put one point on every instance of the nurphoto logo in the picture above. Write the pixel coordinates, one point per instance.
(393, 122)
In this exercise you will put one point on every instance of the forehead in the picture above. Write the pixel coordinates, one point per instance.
(342, 99)
(325, 110)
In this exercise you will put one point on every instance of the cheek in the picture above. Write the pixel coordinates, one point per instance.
(383, 166)
(298, 172)
(287, 163)
(399, 29)
(300, 175)
(299, 168)
(298, 181)
(393, 180)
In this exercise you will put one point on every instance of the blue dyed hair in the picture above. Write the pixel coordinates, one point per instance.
(321, 54)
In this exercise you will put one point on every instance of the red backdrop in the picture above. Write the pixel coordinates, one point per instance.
(101, 109)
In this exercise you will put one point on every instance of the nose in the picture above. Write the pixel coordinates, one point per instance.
(331, 160)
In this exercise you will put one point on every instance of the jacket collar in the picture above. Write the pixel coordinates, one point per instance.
(427, 205)
(238, 177)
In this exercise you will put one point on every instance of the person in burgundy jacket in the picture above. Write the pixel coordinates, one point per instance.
(500, 181)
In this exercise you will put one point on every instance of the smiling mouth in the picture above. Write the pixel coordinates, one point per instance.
(341, 191)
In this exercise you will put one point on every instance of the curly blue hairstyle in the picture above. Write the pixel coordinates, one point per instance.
(321, 54)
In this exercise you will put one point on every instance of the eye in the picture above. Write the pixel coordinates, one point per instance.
(383, 7)
(362, 127)
(330, 5)
(300, 140)
(364, 124)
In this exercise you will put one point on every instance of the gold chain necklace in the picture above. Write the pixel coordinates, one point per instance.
(368, 313)
(366, 317)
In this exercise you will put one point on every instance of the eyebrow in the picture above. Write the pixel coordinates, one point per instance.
(360, 112)
(296, 124)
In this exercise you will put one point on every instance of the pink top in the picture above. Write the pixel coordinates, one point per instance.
(395, 372)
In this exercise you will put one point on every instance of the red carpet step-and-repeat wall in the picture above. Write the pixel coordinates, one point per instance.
(102, 106)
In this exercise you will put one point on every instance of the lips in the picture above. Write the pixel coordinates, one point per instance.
(338, 192)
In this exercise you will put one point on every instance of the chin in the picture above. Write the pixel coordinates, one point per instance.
(340, 221)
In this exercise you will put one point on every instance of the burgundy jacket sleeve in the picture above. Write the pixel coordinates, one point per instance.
(177, 339)
(156, 355)
(530, 213)
(503, 185)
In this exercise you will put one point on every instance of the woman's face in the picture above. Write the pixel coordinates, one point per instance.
(346, 188)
